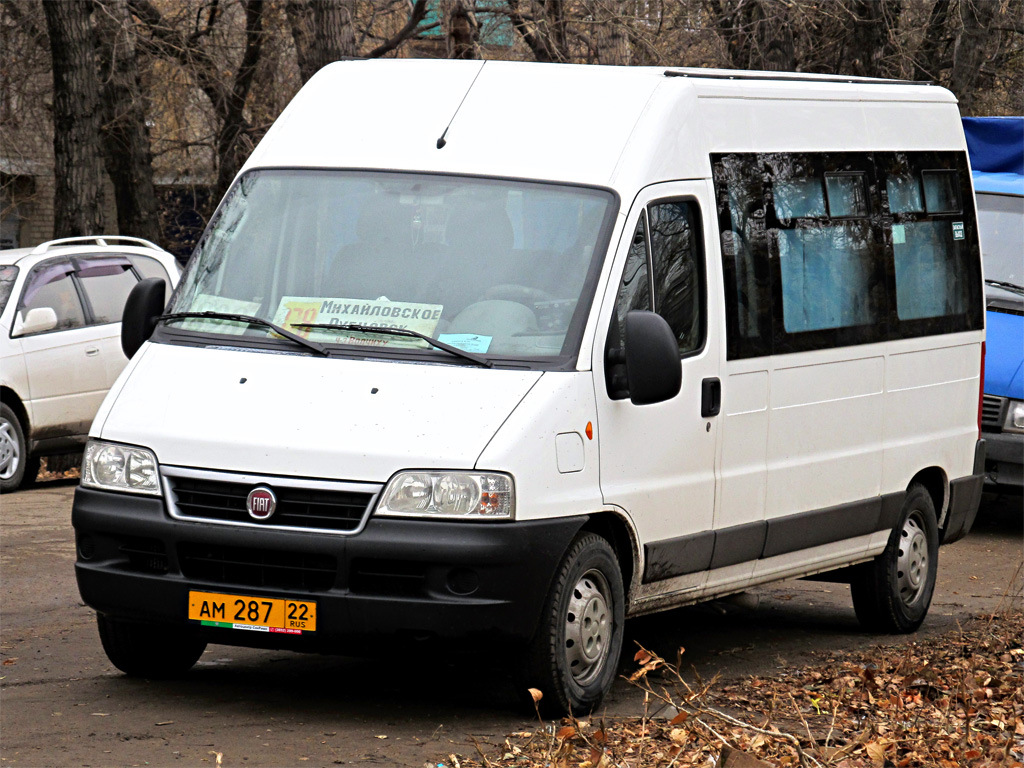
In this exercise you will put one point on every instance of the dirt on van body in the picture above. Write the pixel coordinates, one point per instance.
(63, 704)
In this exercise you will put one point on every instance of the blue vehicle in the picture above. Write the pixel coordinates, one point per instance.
(996, 148)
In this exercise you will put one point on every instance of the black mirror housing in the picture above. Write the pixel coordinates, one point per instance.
(652, 359)
(145, 304)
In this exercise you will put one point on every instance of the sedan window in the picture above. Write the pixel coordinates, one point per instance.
(107, 283)
(50, 285)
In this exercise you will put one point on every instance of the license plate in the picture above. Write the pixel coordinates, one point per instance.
(256, 614)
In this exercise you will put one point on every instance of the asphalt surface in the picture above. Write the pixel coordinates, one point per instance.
(63, 704)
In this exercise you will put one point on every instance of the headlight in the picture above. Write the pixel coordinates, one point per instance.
(484, 495)
(113, 467)
(1014, 417)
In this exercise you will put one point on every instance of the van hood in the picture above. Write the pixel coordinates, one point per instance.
(297, 415)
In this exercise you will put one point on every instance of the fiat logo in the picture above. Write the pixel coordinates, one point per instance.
(261, 503)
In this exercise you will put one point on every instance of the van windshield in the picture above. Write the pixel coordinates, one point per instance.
(498, 268)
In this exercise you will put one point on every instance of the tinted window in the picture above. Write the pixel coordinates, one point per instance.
(107, 283)
(832, 249)
(50, 285)
(828, 277)
(8, 275)
(677, 258)
(635, 288)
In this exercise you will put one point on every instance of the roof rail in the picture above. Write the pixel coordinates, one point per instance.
(793, 78)
(103, 242)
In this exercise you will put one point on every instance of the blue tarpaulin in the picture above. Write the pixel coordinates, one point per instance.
(996, 148)
(995, 144)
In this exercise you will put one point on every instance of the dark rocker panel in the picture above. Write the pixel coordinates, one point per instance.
(769, 538)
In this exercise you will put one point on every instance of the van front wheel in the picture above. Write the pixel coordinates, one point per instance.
(574, 655)
(148, 650)
(892, 593)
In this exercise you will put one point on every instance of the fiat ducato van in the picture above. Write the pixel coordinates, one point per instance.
(500, 354)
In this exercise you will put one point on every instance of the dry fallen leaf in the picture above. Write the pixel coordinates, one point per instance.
(536, 695)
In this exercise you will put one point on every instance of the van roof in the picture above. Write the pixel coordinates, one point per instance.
(620, 127)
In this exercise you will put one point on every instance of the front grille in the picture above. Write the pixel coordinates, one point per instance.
(273, 569)
(387, 577)
(297, 507)
(993, 410)
(144, 555)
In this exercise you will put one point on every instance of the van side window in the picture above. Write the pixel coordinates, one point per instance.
(928, 239)
(635, 288)
(739, 192)
(832, 249)
(830, 275)
(677, 260)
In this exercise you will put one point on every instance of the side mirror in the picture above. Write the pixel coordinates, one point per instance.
(145, 304)
(35, 321)
(652, 359)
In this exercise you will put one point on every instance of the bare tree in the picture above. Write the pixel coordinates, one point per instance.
(463, 30)
(328, 30)
(125, 133)
(323, 31)
(78, 164)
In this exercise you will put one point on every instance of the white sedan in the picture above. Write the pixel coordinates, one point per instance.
(60, 340)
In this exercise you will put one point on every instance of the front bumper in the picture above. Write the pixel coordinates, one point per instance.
(400, 578)
(1004, 465)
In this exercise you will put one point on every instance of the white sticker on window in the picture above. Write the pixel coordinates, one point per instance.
(899, 234)
(377, 313)
(958, 230)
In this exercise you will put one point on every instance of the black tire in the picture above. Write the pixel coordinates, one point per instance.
(574, 656)
(149, 650)
(13, 451)
(892, 593)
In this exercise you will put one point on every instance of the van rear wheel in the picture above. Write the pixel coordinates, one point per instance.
(148, 650)
(574, 656)
(892, 593)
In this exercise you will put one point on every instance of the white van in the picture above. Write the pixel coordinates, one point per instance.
(504, 353)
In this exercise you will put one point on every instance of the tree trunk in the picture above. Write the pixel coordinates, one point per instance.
(463, 30)
(543, 28)
(124, 132)
(868, 36)
(78, 164)
(233, 142)
(611, 32)
(969, 50)
(323, 31)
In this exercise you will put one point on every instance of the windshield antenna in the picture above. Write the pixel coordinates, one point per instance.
(441, 141)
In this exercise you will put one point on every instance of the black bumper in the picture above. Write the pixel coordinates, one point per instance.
(964, 499)
(1004, 465)
(397, 578)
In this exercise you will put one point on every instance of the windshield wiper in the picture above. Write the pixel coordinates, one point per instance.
(401, 332)
(1012, 287)
(320, 349)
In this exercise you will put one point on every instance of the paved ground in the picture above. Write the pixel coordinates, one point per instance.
(63, 704)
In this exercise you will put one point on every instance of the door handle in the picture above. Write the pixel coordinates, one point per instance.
(710, 397)
(92, 351)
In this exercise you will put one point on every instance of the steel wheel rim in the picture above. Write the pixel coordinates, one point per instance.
(913, 560)
(10, 456)
(588, 627)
